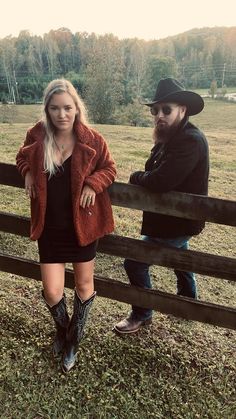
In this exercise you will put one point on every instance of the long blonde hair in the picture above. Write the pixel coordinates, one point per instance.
(56, 87)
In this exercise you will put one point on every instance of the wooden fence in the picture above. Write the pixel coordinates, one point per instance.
(172, 203)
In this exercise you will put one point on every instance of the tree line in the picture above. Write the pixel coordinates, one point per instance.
(112, 75)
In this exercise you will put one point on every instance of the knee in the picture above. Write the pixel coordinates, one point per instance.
(130, 265)
(52, 296)
(134, 267)
(84, 286)
(186, 284)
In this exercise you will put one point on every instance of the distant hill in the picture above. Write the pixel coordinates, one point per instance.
(124, 69)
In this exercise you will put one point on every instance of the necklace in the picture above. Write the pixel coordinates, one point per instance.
(65, 144)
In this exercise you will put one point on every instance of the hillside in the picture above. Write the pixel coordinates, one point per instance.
(126, 70)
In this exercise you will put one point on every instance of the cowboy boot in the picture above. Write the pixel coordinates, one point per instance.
(61, 319)
(76, 330)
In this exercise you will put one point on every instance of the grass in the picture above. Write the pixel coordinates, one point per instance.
(173, 369)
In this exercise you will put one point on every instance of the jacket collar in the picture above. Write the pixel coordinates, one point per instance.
(83, 133)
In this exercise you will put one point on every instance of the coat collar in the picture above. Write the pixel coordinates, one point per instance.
(83, 133)
(84, 151)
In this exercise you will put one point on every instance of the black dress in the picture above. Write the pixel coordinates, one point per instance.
(58, 242)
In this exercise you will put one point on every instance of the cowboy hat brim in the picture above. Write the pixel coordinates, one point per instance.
(191, 100)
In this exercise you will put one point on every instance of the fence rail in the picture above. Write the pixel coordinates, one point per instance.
(202, 263)
(178, 204)
(135, 197)
(166, 303)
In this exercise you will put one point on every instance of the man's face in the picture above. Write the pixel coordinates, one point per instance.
(167, 117)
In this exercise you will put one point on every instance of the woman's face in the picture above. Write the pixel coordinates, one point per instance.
(62, 111)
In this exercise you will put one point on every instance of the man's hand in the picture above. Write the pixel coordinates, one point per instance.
(135, 177)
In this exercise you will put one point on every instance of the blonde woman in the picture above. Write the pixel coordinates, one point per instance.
(67, 169)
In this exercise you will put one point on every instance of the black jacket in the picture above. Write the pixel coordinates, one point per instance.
(181, 164)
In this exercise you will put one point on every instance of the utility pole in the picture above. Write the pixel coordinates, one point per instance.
(223, 75)
(16, 86)
(7, 77)
(13, 94)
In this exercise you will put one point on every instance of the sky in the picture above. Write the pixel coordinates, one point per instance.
(151, 19)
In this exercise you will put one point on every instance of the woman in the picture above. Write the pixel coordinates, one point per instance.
(67, 168)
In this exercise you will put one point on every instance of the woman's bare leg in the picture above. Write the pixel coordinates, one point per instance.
(53, 278)
(84, 282)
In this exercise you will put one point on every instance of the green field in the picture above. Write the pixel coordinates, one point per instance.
(173, 369)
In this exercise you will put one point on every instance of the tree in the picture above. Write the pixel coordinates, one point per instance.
(157, 68)
(134, 56)
(51, 52)
(213, 88)
(133, 114)
(7, 65)
(104, 78)
(78, 81)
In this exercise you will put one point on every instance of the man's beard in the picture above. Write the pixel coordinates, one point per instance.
(163, 132)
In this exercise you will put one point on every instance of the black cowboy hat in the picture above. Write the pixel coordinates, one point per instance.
(171, 90)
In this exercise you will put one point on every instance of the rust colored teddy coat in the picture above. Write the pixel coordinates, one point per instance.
(91, 165)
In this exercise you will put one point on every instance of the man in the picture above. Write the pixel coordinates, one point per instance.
(179, 161)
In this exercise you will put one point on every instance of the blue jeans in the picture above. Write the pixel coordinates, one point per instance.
(138, 274)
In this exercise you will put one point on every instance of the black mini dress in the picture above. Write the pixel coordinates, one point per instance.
(58, 242)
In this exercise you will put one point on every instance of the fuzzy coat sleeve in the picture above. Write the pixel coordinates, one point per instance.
(105, 170)
(22, 162)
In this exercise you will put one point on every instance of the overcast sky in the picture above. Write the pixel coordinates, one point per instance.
(151, 19)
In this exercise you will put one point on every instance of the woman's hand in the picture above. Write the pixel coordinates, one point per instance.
(29, 185)
(88, 196)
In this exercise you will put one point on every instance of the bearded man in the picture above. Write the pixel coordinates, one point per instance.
(179, 161)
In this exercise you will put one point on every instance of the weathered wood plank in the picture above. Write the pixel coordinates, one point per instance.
(165, 303)
(14, 224)
(154, 254)
(10, 176)
(178, 204)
